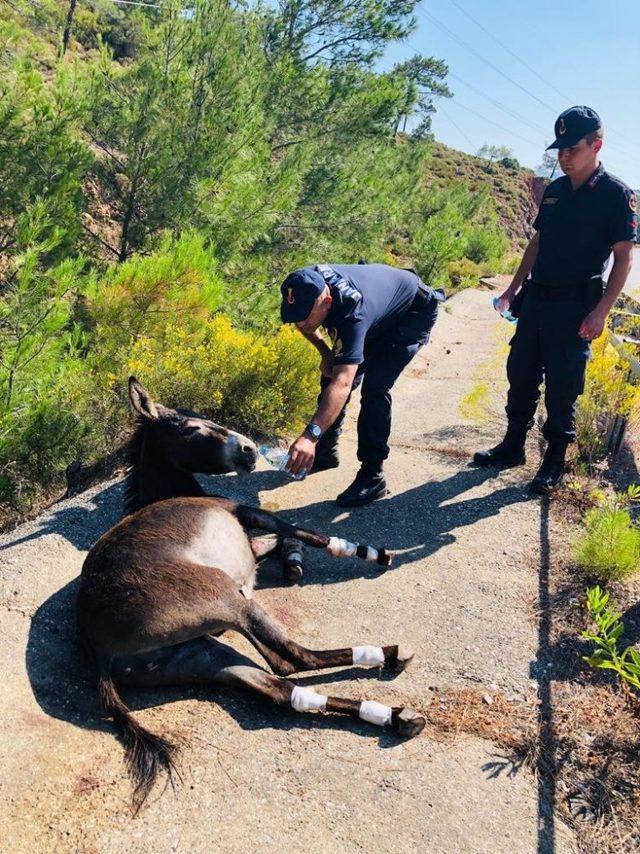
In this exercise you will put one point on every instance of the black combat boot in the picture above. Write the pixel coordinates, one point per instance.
(368, 485)
(509, 453)
(549, 475)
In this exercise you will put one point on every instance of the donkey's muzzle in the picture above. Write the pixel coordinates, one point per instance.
(244, 453)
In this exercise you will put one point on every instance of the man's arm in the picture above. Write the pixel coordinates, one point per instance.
(326, 356)
(593, 324)
(302, 452)
(526, 265)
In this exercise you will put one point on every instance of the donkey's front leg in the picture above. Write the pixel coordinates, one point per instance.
(252, 517)
(285, 656)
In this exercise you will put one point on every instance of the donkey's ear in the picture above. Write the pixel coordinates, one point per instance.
(141, 400)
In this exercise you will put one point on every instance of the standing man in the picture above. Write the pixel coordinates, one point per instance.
(377, 317)
(584, 216)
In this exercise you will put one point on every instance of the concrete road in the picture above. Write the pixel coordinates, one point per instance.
(462, 594)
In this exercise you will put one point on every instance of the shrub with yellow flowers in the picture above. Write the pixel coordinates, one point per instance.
(609, 391)
(239, 378)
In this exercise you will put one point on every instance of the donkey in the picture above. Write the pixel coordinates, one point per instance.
(158, 587)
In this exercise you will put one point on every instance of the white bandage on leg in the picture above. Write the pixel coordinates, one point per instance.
(375, 713)
(341, 548)
(370, 656)
(308, 700)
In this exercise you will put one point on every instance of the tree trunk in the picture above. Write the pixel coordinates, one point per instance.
(67, 27)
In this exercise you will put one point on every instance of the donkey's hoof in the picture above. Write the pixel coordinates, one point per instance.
(407, 723)
(403, 659)
(293, 573)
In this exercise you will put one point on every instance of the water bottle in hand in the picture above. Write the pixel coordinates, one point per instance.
(506, 313)
(279, 459)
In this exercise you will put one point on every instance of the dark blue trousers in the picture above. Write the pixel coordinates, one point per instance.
(547, 346)
(384, 360)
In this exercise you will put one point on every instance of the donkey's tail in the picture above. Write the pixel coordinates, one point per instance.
(146, 753)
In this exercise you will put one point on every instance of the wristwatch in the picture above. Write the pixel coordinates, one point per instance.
(313, 430)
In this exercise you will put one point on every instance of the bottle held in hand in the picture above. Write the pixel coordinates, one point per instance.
(506, 314)
(279, 459)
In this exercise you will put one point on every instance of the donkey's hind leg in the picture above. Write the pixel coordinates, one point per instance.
(284, 693)
(205, 660)
(285, 656)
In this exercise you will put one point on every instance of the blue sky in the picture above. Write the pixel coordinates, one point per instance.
(562, 53)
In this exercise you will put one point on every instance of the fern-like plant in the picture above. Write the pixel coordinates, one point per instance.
(609, 548)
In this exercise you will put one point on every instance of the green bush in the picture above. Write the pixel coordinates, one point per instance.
(486, 243)
(609, 392)
(36, 445)
(463, 274)
(142, 296)
(239, 378)
(609, 548)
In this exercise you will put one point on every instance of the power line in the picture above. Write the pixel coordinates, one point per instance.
(508, 50)
(614, 146)
(501, 127)
(533, 71)
(468, 47)
(498, 104)
(485, 118)
(459, 129)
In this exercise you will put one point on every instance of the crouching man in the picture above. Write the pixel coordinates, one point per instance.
(377, 318)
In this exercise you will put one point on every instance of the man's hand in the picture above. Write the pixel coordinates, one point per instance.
(326, 365)
(593, 324)
(504, 301)
(301, 455)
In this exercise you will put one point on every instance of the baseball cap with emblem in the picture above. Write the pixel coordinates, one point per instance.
(299, 292)
(574, 124)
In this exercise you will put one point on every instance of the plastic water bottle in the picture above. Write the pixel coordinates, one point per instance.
(279, 459)
(506, 314)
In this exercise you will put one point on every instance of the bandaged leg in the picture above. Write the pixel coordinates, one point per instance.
(286, 657)
(375, 713)
(308, 700)
(368, 656)
(337, 547)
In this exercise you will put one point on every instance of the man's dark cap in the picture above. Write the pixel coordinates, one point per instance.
(299, 292)
(574, 124)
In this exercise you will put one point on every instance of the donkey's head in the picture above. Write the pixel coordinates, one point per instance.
(188, 442)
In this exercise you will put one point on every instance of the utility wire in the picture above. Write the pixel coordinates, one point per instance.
(530, 68)
(459, 129)
(509, 51)
(615, 146)
(498, 104)
(499, 71)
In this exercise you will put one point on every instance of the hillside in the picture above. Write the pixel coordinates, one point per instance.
(515, 192)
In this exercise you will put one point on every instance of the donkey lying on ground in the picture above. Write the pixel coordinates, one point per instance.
(158, 585)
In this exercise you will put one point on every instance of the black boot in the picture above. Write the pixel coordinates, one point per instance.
(368, 485)
(509, 453)
(549, 475)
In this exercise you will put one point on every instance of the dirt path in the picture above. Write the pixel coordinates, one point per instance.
(463, 594)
